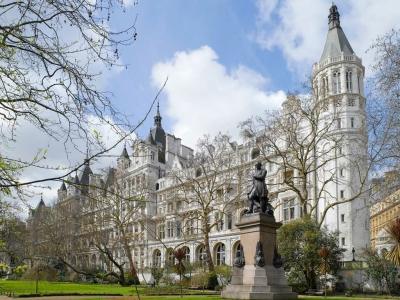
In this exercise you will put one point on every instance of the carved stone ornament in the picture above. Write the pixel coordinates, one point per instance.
(239, 261)
(259, 259)
(277, 260)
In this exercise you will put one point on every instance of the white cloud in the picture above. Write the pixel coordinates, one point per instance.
(206, 98)
(299, 27)
(66, 156)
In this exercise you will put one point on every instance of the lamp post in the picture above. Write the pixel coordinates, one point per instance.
(353, 251)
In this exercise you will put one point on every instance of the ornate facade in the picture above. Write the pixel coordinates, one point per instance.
(165, 212)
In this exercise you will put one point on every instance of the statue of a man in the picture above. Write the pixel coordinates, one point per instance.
(258, 195)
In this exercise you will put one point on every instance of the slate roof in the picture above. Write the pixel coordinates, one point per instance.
(84, 174)
(63, 187)
(156, 136)
(336, 41)
(124, 153)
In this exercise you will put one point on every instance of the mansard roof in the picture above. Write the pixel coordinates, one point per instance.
(336, 41)
(156, 137)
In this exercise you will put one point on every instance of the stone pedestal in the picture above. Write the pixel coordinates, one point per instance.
(255, 282)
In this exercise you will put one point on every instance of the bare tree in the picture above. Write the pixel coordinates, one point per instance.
(305, 142)
(101, 229)
(384, 110)
(51, 54)
(207, 191)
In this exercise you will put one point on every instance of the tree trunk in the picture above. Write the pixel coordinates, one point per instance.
(210, 263)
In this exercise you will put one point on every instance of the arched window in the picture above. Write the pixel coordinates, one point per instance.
(255, 153)
(187, 254)
(349, 83)
(170, 256)
(157, 258)
(336, 83)
(157, 186)
(202, 256)
(220, 255)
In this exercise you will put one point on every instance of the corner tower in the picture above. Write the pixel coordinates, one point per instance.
(339, 89)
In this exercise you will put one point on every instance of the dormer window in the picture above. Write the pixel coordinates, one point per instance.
(336, 83)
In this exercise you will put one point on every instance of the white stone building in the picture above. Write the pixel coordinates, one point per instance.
(162, 220)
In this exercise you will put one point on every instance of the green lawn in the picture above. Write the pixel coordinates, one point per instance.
(194, 297)
(28, 287)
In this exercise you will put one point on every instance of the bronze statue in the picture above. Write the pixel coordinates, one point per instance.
(277, 260)
(258, 194)
(259, 259)
(239, 261)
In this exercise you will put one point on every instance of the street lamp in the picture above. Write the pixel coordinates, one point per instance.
(353, 251)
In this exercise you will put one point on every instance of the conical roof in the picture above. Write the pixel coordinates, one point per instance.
(124, 153)
(76, 179)
(85, 173)
(336, 41)
(63, 187)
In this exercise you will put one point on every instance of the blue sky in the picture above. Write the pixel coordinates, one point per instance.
(277, 40)
(226, 61)
(167, 27)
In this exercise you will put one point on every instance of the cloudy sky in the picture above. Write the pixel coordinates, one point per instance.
(225, 60)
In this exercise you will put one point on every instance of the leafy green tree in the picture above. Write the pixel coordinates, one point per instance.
(298, 243)
(20, 270)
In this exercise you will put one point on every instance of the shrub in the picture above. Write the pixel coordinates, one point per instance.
(348, 293)
(212, 281)
(42, 272)
(199, 280)
(224, 273)
(168, 279)
(129, 279)
(297, 281)
(217, 288)
(161, 290)
(73, 277)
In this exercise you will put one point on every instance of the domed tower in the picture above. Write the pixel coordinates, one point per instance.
(339, 89)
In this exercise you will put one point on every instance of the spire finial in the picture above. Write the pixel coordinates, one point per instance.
(157, 118)
(334, 17)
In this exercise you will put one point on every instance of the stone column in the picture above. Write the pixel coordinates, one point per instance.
(255, 281)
